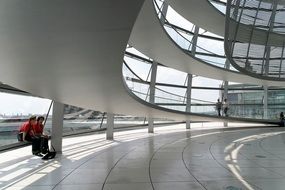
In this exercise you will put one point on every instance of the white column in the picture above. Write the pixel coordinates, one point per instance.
(188, 100)
(150, 125)
(226, 84)
(226, 87)
(57, 125)
(265, 102)
(152, 93)
(110, 126)
(189, 82)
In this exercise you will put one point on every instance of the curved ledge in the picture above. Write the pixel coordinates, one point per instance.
(195, 116)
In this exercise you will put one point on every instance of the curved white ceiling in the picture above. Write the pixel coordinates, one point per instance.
(69, 50)
(72, 52)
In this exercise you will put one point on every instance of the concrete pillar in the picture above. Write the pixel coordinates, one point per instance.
(188, 99)
(226, 87)
(57, 125)
(152, 83)
(188, 124)
(152, 93)
(150, 125)
(110, 126)
(189, 81)
(265, 102)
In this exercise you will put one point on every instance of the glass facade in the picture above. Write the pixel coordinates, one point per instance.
(250, 103)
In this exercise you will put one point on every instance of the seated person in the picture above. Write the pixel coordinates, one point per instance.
(28, 130)
(39, 127)
(43, 139)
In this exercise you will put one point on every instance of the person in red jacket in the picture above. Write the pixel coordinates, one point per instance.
(41, 143)
(39, 127)
(27, 129)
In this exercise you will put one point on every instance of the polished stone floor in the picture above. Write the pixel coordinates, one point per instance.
(172, 158)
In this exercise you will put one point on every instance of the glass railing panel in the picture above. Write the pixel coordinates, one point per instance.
(178, 91)
(142, 70)
(136, 52)
(206, 82)
(209, 96)
(170, 95)
(245, 100)
(122, 121)
(173, 17)
(214, 46)
(170, 76)
(182, 40)
(203, 109)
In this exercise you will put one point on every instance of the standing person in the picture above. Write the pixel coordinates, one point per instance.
(219, 107)
(226, 107)
(28, 130)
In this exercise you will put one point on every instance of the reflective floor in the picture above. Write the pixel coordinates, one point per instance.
(171, 158)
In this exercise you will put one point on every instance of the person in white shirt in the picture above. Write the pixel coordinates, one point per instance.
(225, 107)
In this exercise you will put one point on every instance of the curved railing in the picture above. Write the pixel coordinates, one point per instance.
(264, 15)
(257, 60)
(257, 13)
(261, 54)
(177, 101)
(183, 38)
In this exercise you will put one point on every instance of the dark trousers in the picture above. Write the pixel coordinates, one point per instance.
(36, 145)
(219, 111)
(40, 145)
(226, 111)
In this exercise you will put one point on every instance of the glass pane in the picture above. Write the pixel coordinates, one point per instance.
(170, 76)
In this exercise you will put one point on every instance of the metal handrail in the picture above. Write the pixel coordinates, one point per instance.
(172, 27)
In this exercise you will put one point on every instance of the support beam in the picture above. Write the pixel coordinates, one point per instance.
(152, 93)
(110, 126)
(188, 100)
(265, 102)
(189, 77)
(226, 87)
(194, 40)
(188, 124)
(57, 125)
(150, 125)
(152, 83)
